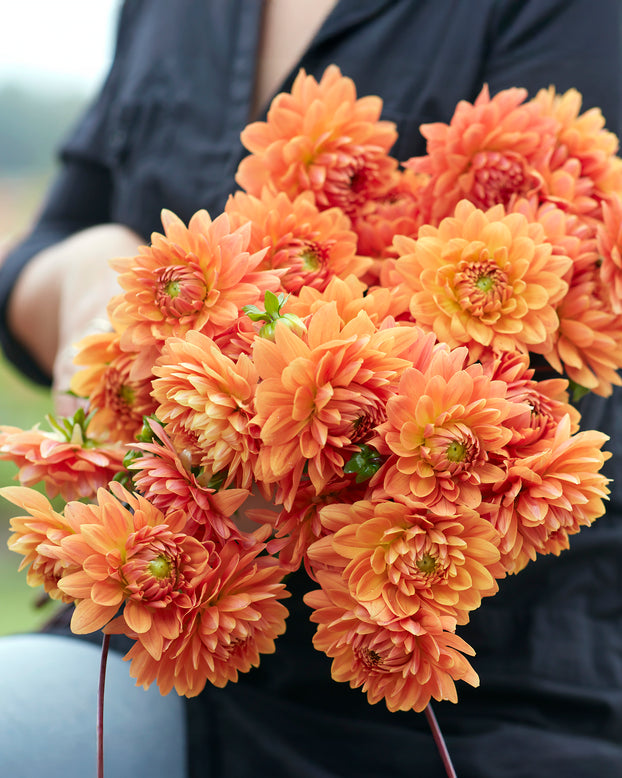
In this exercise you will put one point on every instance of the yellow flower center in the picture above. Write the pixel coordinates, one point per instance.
(173, 289)
(160, 567)
(455, 451)
(427, 564)
(484, 283)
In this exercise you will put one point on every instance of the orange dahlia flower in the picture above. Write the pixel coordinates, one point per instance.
(118, 399)
(200, 390)
(37, 537)
(547, 400)
(130, 554)
(485, 280)
(195, 277)
(489, 153)
(443, 425)
(322, 139)
(238, 617)
(582, 146)
(67, 462)
(322, 394)
(166, 479)
(609, 241)
(550, 495)
(308, 245)
(406, 663)
(397, 559)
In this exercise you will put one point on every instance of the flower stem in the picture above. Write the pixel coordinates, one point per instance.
(440, 742)
(100, 707)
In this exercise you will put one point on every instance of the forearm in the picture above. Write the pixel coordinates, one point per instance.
(64, 287)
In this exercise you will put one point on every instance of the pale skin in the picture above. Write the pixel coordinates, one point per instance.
(63, 292)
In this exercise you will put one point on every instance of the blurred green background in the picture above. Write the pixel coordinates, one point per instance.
(31, 124)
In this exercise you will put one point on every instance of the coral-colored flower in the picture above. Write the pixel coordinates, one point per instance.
(406, 662)
(609, 240)
(584, 150)
(489, 153)
(166, 479)
(200, 390)
(195, 277)
(443, 425)
(131, 555)
(322, 139)
(118, 399)
(547, 400)
(37, 537)
(65, 460)
(296, 529)
(397, 559)
(322, 394)
(550, 495)
(484, 279)
(308, 245)
(238, 618)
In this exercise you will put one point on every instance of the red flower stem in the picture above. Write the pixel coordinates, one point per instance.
(440, 742)
(100, 707)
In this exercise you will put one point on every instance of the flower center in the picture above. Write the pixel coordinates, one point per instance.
(484, 283)
(427, 564)
(160, 567)
(179, 291)
(455, 451)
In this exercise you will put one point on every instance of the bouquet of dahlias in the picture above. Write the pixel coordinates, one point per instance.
(348, 356)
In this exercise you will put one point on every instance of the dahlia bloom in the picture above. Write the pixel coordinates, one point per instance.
(321, 139)
(37, 537)
(135, 557)
(547, 400)
(549, 495)
(583, 150)
(166, 479)
(200, 390)
(238, 616)
(609, 241)
(490, 152)
(195, 277)
(397, 559)
(406, 662)
(309, 246)
(67, 462)
(443, 425)
(322, 394)
(487, 280)
(118, 398)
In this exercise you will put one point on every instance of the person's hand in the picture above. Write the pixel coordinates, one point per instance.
(62, 295)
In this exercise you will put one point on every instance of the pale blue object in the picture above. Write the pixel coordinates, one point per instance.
(48, 699)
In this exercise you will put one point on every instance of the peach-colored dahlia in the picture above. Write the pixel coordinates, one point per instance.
(609, 241)
(397, 559)
(443, 425)
(66, 461)
(165, 477)
(238, 617)
(406, 662)
(118, 399)
(322, 139)
(130, 554)
(200, 390)
(547, 400)
(308, 245)
(487, 280)
(584, 151)
(549, 495)
(195, 277)
(37, 537)
(321, 394)
(489, 153)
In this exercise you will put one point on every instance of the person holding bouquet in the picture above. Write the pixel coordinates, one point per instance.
(164, 133)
